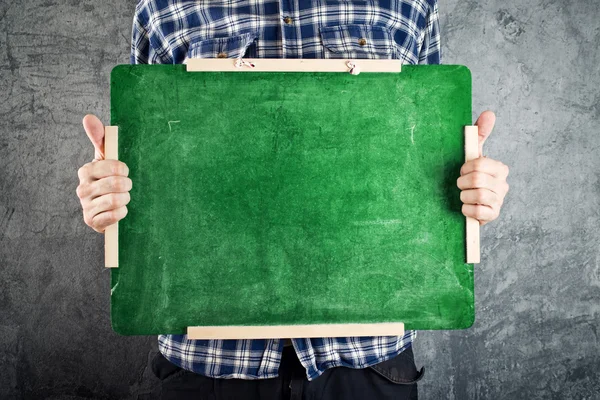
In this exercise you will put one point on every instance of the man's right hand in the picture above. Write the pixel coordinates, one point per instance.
(103, 184)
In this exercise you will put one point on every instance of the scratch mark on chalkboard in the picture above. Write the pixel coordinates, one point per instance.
(133, 72)
(412, 134)
(378, 222)
(113, 289)
(164, 286)
(172, 122)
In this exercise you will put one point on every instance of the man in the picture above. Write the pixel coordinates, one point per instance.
(329, 368)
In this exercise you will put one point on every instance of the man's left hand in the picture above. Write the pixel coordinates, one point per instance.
(483, 181)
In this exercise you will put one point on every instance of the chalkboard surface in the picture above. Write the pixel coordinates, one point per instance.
(266, 198)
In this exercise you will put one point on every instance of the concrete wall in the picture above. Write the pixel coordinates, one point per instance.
(538, 287)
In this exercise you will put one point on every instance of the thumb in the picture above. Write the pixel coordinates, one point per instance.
(485, 123)
(95, 131)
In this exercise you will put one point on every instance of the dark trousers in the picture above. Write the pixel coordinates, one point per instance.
(392, 379)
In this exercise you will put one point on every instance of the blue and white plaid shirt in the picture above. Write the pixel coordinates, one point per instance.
(170, 31)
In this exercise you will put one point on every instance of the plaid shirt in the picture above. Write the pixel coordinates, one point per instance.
(170, 31)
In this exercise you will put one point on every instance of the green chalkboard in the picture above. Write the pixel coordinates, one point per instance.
(291, 198)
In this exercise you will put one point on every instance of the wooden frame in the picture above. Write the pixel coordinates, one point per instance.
(291, 65)
(293, 331)
(111, 233)
(472, 233)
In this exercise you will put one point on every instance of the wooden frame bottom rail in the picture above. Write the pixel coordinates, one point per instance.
(295, 331)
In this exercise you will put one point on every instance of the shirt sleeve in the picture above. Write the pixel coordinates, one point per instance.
(431, 52)
(147, 45)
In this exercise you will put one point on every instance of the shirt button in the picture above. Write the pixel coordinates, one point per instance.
(287, 20)
(222, 55)
(362, 41)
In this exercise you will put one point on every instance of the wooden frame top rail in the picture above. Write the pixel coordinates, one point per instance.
(291, 65)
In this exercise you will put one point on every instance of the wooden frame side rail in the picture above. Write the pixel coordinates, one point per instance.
(111, 233)
(471, 153)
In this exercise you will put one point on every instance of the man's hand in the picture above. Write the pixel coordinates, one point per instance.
(103, 184)
(483, 180)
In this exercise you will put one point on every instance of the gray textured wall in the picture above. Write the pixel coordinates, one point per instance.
(538, 287)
